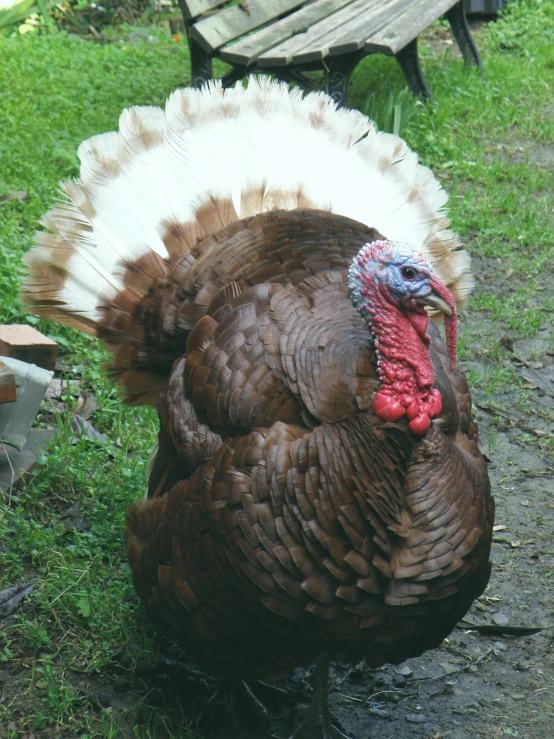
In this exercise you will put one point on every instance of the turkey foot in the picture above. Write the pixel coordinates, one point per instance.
(259, 699)
(250, 703)
(10, 598)
(274, 697)
(316, 723)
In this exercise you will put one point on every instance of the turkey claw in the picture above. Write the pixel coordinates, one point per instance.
(249, 701)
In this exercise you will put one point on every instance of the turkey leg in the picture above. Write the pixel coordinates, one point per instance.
(316, 722)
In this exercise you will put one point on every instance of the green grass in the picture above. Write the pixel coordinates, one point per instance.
(56, 90)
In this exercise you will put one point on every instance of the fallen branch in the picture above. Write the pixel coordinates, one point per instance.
(496, 630)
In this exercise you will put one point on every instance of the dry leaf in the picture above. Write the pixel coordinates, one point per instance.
(87, 404)
(58, 387)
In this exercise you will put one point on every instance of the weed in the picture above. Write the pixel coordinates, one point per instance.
(392, 113)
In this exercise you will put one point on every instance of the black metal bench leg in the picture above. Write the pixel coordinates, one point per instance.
(409, 64)
(233, 76)
(457, 18)
(200, 64)
(339, 70)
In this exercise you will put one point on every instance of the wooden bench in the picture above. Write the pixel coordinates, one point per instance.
(286, 38)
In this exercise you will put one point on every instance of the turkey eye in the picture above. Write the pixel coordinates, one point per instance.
(408, 273)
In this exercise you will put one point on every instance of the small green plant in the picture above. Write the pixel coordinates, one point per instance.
(34, 633)
(392, 113)
(493, 439)
(24, 14)
(6, 653)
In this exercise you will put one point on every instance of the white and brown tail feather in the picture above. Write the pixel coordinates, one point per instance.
(148, 194)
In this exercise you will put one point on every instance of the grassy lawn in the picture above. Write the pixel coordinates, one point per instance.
(491, 143)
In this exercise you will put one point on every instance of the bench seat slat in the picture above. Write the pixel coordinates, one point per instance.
(194, 8)
(247, 50)
(230, 23)
(284, 53)
(396, 35)
(351, 36)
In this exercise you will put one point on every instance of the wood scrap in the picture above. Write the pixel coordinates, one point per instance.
(25, 343)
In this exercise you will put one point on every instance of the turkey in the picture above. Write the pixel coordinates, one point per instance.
(263, 267)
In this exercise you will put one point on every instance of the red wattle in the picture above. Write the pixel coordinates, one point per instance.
(387, 407)
(407, 400)
(420, 424)
(412, 410)
(434, 404)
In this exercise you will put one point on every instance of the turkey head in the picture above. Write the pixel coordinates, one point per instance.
(390, 287)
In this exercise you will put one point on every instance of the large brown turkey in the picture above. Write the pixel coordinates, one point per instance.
(260, 266)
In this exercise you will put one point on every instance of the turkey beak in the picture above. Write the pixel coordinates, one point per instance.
(442, 300)
(435, 301)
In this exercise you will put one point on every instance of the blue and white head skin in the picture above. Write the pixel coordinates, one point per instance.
(407, 275)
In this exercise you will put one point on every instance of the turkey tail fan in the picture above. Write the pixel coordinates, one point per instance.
(149, 195)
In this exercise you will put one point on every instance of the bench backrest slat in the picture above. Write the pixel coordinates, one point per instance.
(352, 36)
(248, 49)
(283, 53)
(230, 23)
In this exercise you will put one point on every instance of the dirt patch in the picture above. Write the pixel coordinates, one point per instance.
(521, 151)
(442, 41)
